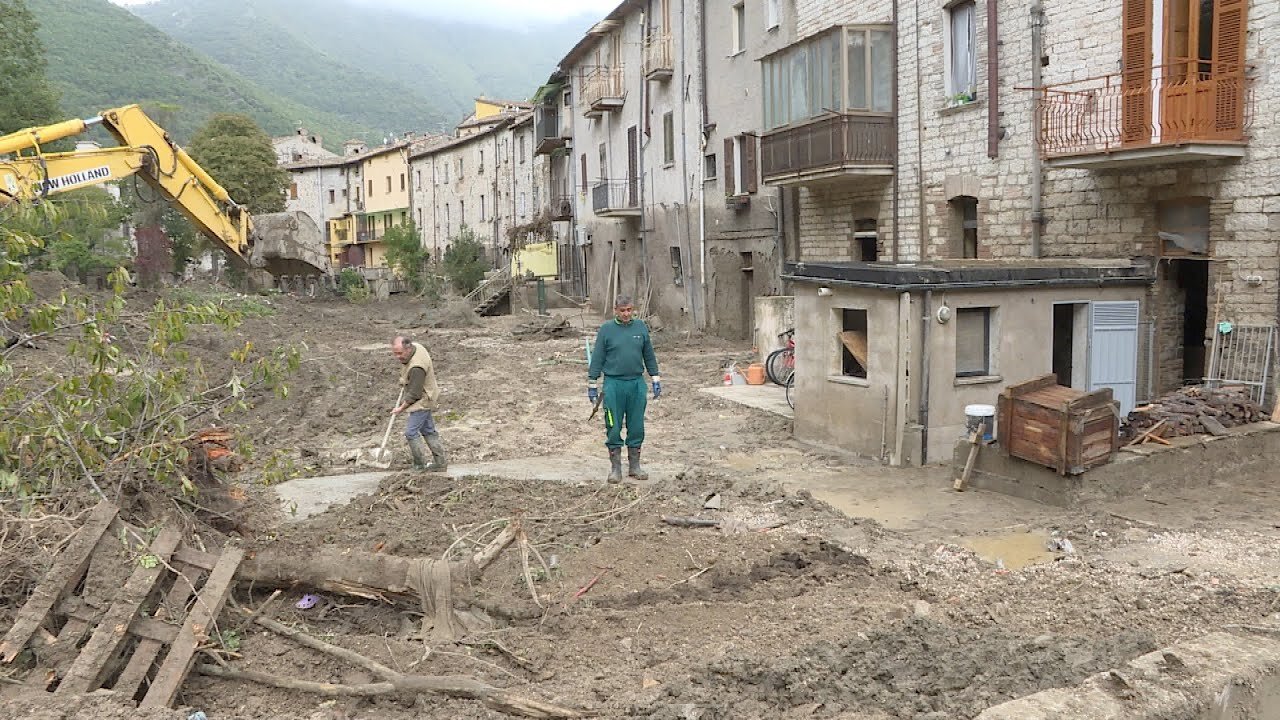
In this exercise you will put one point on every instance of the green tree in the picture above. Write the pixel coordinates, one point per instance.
(410, 260)
(464, 263)
(239, 155)
(26, 97)
(76, 232)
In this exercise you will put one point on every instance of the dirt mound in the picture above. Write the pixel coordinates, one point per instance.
(920, 669)
(47, 284)
(452, 314)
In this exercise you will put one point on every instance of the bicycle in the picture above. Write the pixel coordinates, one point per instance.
(782, 362)
(791, 383)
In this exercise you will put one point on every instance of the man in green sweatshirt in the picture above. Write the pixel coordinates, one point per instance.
(623, 353)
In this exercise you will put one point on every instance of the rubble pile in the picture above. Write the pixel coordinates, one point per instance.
(1196, 409)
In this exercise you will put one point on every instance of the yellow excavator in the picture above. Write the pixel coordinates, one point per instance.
(289, 246)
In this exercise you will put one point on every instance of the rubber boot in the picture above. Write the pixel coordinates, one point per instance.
(418, 448)
(439, 461)
(615, 461)
(633, 465)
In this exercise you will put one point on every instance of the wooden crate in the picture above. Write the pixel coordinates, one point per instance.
(1059, 427)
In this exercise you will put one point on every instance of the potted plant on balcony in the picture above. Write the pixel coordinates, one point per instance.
(961, 98)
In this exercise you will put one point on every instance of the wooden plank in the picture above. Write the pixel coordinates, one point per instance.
(83, 676)
(1032, 385)
(1214, 427)
(149, 647)
(856, 343)
(963, 481)
(68, 568)
(195, 558)
(199, 622)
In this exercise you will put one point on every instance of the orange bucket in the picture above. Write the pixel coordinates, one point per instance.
(755, 374)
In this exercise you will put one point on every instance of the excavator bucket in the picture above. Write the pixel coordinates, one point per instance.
(289, 245)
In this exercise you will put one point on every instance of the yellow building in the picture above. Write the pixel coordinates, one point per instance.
(382, 203)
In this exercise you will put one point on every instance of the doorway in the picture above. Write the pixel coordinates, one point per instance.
(1070, 343)
(1193, 279)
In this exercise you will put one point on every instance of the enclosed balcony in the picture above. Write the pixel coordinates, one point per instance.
(616, 198)
(828, 104)
(658, 57)
(1185, 112)
(547, 133)
(603, 90)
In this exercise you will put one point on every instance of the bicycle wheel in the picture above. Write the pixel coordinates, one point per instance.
(791, 384)
(775, 367)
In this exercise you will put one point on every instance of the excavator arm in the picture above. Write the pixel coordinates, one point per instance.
(147, 151)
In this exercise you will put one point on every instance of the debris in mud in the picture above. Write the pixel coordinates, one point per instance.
(542, 328)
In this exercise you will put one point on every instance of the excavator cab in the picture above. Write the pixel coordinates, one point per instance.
(287, 246)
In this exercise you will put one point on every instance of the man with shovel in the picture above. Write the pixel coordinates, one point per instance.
(419, 396)
(623, 353)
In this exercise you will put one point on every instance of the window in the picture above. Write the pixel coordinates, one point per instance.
(521, 208)
(522, 149)
(460, 168)
(480, 169)
(388, 184)
(851, 344)
(771, 13)
(848, 69)
(961, 66)
(582, 172)
(739, 28)
(418, 178)
(709, 167)
(668, 138)
(446, 173)
(568, 98)
(603, 160)
(867, 238)
(740, 165)
(446, 218)
(462, 212)
(677, 267)
(964, 226)
(401, 182)
(344, 193)
(973, 342)
(482, 206)
(293, 191)
(1182, 226)
(370, 194)
(419, 217)
(333, 196)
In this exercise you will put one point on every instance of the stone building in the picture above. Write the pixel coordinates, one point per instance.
(989, 192)
(302, 146)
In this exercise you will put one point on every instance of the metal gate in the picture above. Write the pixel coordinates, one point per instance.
(1242, 355)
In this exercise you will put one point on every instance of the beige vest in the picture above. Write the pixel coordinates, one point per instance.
(430, 391)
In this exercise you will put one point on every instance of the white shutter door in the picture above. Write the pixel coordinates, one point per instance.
(1113, 350)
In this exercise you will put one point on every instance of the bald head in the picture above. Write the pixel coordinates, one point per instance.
(402, 348)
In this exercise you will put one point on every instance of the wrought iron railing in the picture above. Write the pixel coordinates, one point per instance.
(831, 142)
(658, 55)
(602, 83)
(1162, 106)
(615, 195)
(495, 284)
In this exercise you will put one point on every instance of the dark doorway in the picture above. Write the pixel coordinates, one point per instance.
(1063, 342)
(1193, 278)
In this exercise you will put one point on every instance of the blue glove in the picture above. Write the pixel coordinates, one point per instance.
(657, 387)
(592, 394)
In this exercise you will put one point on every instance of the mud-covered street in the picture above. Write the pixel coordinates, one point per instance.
(832, 587)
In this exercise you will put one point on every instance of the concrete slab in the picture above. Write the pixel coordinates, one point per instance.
(305, 497)
(556, 469)
(769, 397)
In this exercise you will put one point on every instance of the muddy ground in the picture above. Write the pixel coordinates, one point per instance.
(870, 602)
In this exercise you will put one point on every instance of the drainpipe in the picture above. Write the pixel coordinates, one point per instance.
(897, 146)
(642, 141)
(993, 80)
(702, 147)
(927, 318)
(497, 222)
(922, 229)
(1037, 165)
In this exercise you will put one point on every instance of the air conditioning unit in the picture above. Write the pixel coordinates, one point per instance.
(563, 208)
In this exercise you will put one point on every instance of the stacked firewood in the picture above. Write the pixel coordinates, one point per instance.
(1195, 410)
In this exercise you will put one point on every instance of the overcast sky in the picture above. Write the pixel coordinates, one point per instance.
(495, 12)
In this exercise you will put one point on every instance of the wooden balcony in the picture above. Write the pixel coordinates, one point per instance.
(831, 148)
(616, 198)
(1173, 113)
(658, 57)
(603, 90)
(547, 133)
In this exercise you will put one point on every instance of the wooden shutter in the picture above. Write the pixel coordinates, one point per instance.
(1135, 117)
(749, 159)
(1229, 39)
(728, 166)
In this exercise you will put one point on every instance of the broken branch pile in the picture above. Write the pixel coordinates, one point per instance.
(1196, 409)
(544, 327)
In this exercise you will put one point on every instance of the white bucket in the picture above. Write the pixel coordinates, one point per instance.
(977, 414)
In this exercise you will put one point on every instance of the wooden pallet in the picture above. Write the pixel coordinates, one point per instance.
(142, 644)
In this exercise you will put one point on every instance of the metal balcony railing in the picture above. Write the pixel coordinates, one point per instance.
(830, 143)
(658, 57)
(615, 196)
(547, 135)
(1167, 105)
(603, 88)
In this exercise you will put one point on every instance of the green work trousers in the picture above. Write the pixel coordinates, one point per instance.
(624, 402)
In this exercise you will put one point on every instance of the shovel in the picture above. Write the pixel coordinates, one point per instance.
(382, 458)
